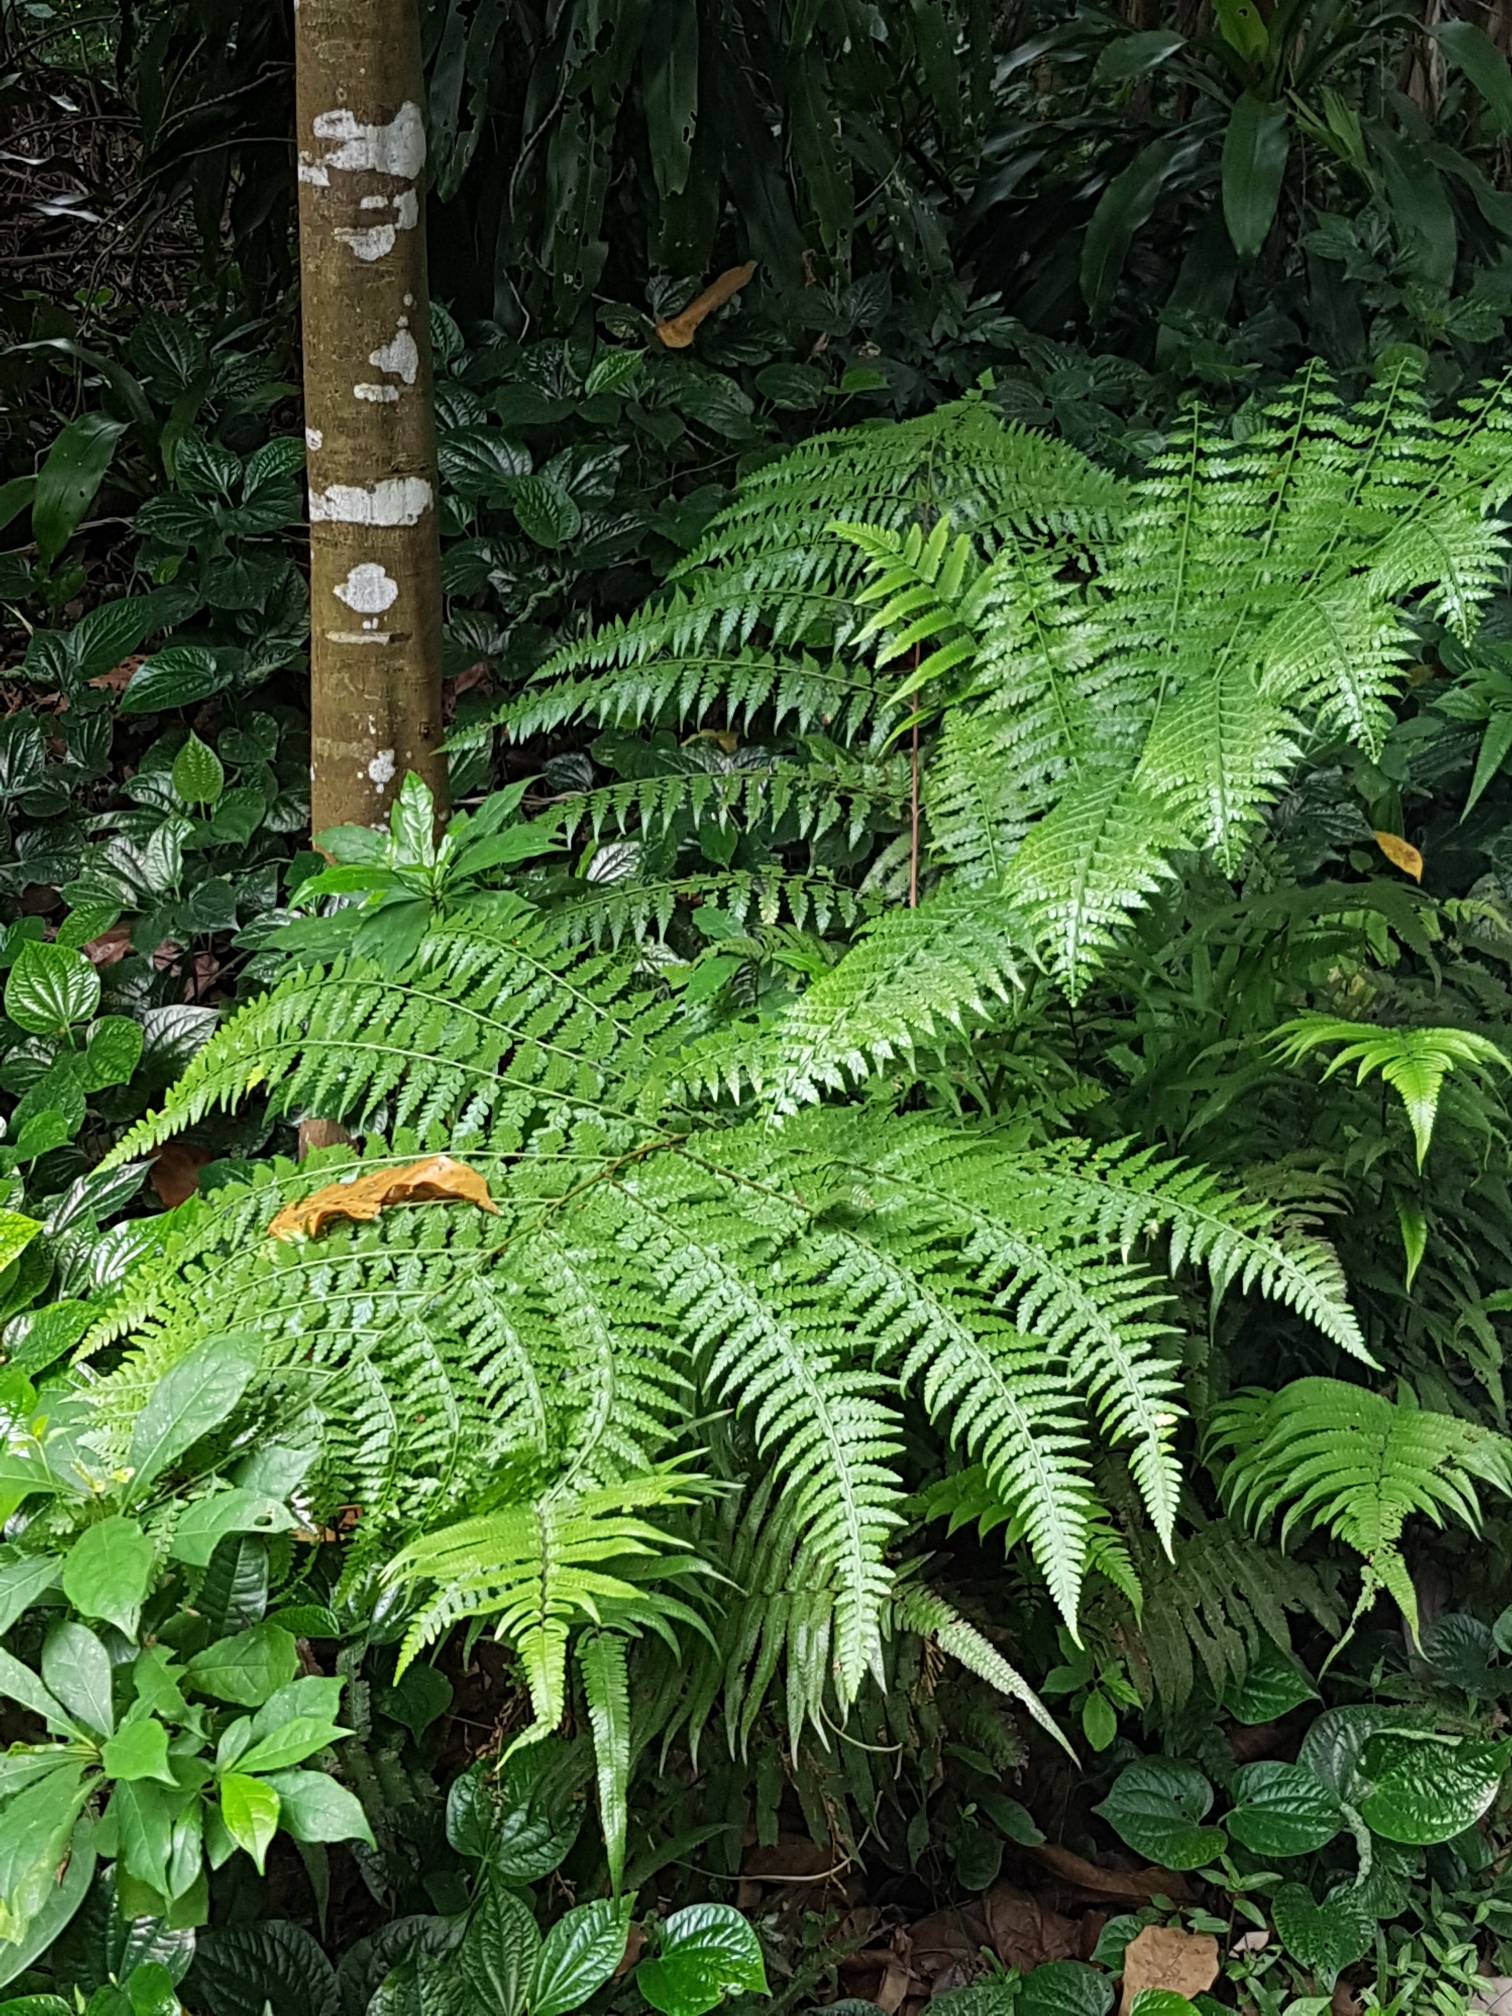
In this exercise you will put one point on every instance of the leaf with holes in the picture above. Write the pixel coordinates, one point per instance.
(1156, 1806)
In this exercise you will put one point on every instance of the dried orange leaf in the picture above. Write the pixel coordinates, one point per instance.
(1401, 854)
(1163, 1956)
(436, 1176)
(678, 331)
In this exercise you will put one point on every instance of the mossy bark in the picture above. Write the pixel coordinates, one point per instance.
(375, 581)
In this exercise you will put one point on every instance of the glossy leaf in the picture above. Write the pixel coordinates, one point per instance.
(249, 1809)
(578, 1955)
(50, 988)
(708, 1951)
(1157, 1806)
(1282, 1810)
(196, 1395)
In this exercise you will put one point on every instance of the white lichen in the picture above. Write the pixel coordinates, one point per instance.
(314, 439)
(382, 768)
(368, 589)
(394, 500)
(397, 148)
(401, 356)
(377, 395)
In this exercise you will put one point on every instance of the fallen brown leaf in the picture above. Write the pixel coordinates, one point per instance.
(1135, 1886)
(946, 1947)
(174, 1174)
(678, 331)
(1401, 854)
(436, 1176)
(1023, 1932)
(1163, 1956)
(119, 675)
(110, 947)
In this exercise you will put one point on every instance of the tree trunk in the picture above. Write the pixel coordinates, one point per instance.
(375, 575)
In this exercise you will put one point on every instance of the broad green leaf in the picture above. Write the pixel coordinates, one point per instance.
(69, 478)
(1462, 1650)
(22, 1582)
(1136, 54)
(107, 1572)
(1424, 1789)
(140, 1750)
(612, 371)
(1065, 1988)
(1255, 147)
(76, 1666)
(1282, 1810)
(199, 776)
(246, 1669)
(63, 1900)
(1161, 2002)
(144, 1813)
(578, 1955)
(1272, 1686)
(188, 1401)
(313, 1807)
(19, 1683)
(17, 1231)
(113, 1052)
(1124, 206)
(249, 1809)
(1243, 27)
(708, 1951)
(793, 388)
(208, 1520)
(500, 1950)
(178, 676)
(1471, 50)
(291, 1743)
(1326, 1937)
(50, 988)
(1156, 1805)
(543, 511)
(33, 1841)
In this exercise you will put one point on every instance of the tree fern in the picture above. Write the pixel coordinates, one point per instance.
(1356, 1465)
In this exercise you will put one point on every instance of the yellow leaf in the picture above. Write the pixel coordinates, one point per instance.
(436, 1176)
(678, 331)
(1401, 854)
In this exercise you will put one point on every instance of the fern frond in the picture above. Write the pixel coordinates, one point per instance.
(540, 1567)
(1327, 1455)
(931, 1616)
(1413, 1062)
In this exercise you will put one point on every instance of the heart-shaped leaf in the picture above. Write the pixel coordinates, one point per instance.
(1282, 1810)
(1325, 1937)
(1156, 1807)
(1426, 1788)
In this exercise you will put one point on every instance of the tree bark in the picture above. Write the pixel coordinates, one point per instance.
(375, 570)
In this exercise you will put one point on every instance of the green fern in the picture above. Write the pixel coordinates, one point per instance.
(1413, 1062)
(650, 1264)
(1356, 1465)
(1145, 705)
